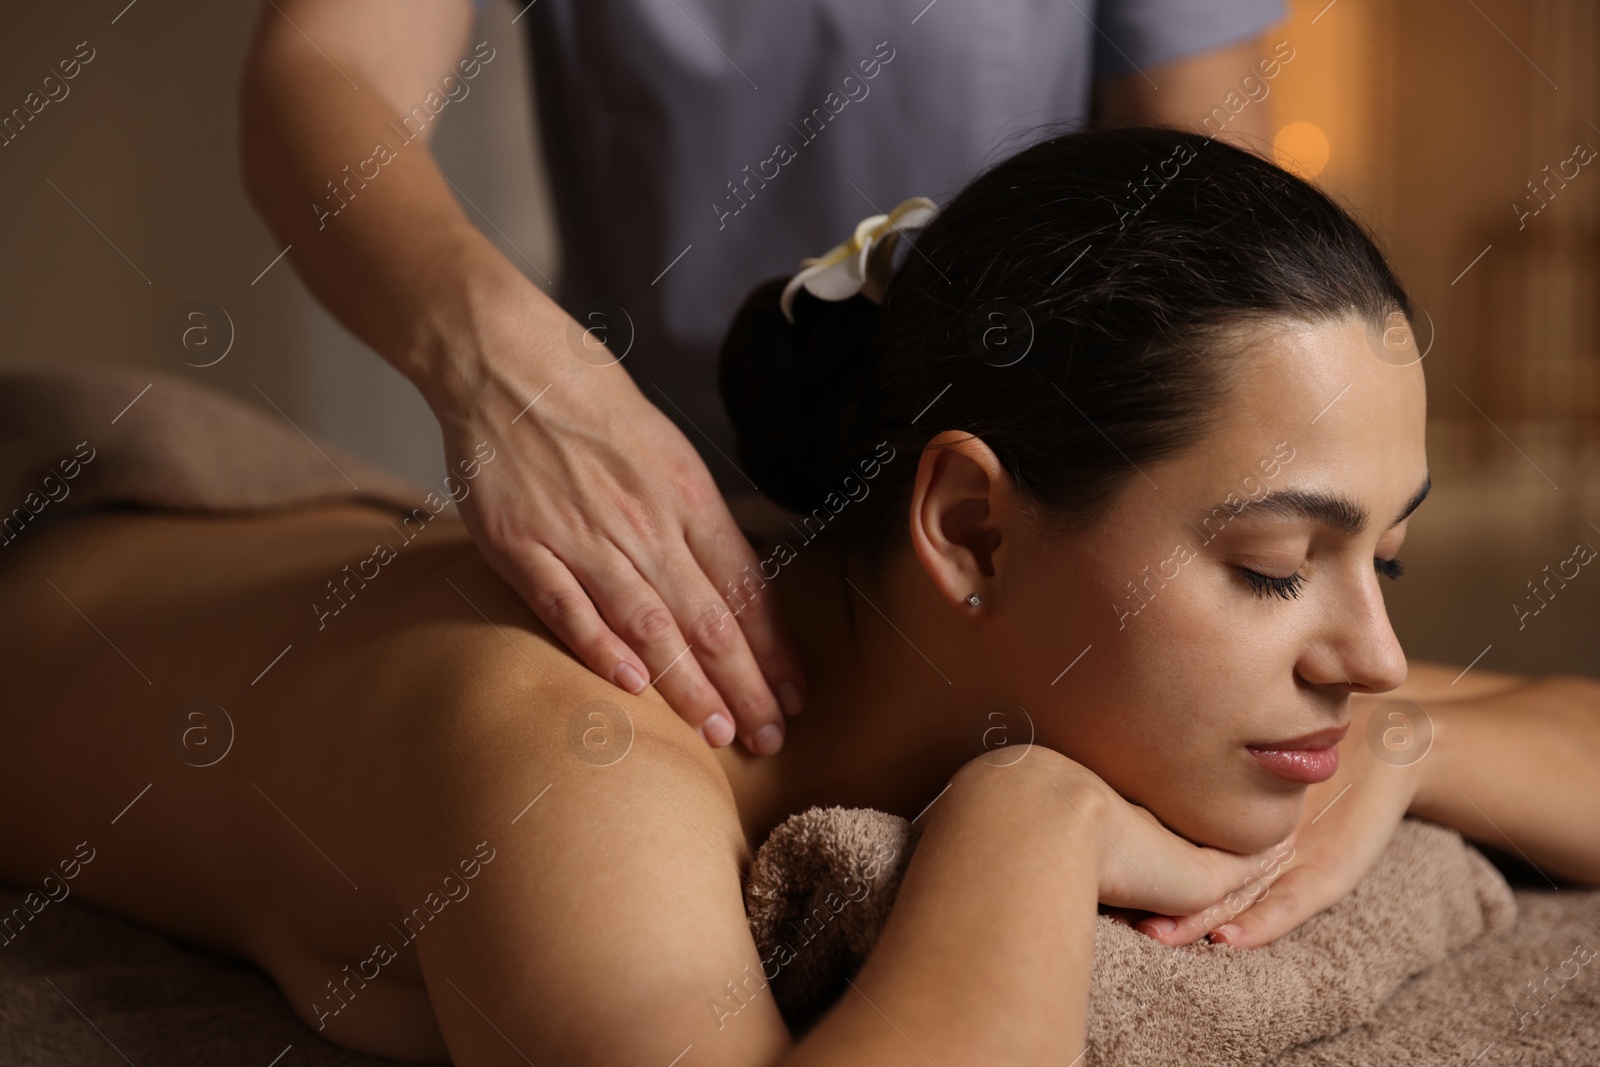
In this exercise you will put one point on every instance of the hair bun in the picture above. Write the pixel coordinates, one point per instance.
(791, 391)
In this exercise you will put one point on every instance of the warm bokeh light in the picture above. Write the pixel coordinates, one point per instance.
(1302, 148)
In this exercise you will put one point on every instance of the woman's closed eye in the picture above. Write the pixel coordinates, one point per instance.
(1288, 588)
(1265, 585)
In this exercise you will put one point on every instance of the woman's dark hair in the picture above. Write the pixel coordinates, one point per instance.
(1074, 306)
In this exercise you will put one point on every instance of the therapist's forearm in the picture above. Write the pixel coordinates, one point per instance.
(400, 264)
(1519, 770)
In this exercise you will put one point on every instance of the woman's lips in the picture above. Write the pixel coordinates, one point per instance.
(1308, 759)
(1306, 765)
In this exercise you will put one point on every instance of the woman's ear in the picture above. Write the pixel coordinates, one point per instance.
(960, 490)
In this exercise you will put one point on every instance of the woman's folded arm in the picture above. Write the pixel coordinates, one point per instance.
(987, 954)
(1518, 768)
(610, 926)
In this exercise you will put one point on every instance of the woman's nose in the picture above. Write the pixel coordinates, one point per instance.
(1358, 646)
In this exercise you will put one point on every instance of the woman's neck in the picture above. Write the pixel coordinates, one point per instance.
(883, 724)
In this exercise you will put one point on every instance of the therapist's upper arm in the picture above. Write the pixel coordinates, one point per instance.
(397, 49)
(1185, 92)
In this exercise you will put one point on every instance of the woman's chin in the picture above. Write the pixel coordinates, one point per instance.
(1244, 828)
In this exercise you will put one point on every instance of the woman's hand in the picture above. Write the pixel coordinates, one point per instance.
(1142, 865)
(600, 513)
(1346, 825)
(1147, 867)
(1013, 856)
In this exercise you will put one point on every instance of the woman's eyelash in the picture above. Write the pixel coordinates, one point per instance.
(1264, 585)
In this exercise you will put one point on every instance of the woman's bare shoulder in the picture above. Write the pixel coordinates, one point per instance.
(501, 696)
(612, 911)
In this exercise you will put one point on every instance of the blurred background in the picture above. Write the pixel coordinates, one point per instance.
(1459, 129)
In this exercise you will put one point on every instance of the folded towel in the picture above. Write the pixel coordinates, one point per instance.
(75, 439)
(822, 884)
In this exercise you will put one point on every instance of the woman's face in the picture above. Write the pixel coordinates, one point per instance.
(1315, 461)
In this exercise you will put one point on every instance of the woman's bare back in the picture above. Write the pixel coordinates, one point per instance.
(276, 739)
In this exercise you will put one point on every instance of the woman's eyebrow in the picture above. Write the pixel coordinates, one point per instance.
(1333, 510)
(1416, 499)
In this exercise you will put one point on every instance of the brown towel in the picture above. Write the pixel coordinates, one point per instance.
(159, 1002)
(75, 439)
(822, 884)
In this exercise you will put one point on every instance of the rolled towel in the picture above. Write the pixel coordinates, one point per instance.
(822, 884)
(73, 439)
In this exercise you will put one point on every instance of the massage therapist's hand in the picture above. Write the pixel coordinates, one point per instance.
(602, 516)
(597, 510)
(1345, 827)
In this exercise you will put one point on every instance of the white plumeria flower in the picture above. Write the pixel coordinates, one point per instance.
(861, 264)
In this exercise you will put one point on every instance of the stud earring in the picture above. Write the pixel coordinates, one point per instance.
(974, 600)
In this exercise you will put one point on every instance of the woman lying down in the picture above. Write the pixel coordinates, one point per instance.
(1138, 465)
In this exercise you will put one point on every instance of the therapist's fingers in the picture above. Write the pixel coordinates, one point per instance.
(660, 607)
(586, 514)
(717, 633)
(722, 552)
(612, 620)
(548, 587)
(673, 596)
